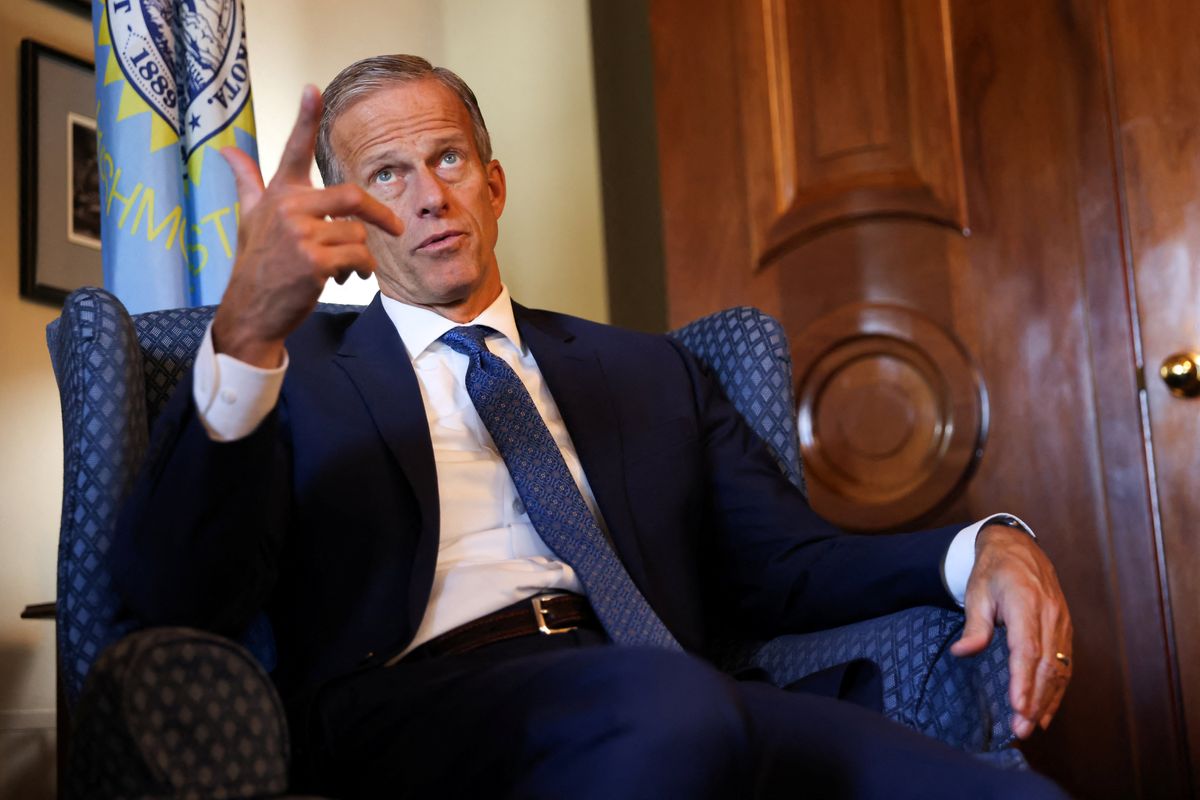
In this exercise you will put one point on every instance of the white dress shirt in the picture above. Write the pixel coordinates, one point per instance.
(489, 555)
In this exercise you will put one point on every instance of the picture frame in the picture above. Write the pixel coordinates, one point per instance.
(81, 7)
(60, 182)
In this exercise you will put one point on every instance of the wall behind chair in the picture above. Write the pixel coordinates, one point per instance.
(30, 439)
(530, 63)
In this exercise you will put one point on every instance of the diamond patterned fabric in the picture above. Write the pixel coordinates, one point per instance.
(169, 340)
(94, 351)
(963, 702)
(174, 712)
(115, 374)
(748, 352)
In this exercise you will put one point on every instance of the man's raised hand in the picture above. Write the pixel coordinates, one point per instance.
(287, 245)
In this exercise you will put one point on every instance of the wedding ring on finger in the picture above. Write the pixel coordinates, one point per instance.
(1063, 659)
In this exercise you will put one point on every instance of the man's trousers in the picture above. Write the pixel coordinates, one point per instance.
(572, 716)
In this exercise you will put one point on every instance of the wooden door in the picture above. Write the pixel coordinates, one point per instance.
(1156, 101)
(934, 196)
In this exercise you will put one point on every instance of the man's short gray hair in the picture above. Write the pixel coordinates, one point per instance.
(378, 72)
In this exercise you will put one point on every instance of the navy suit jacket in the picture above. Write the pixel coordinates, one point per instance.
(327, 516)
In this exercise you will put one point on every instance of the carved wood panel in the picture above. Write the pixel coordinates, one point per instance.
(848, 114)
(891, 412)
(860, 101)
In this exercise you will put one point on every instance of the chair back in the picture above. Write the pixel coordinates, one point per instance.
(747, 351)
(115, 374)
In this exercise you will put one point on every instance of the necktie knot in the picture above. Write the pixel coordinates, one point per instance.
(467, 339)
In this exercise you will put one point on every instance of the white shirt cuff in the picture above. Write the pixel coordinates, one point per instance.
(960, 556)
(231, 396)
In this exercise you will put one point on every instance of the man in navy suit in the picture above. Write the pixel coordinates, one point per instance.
(332, 470)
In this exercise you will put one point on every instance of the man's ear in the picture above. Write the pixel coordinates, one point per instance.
(497, 187)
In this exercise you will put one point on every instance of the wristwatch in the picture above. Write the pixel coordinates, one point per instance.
(1008, 520)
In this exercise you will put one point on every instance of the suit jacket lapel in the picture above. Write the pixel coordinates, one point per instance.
(374, 358)
(576, 378)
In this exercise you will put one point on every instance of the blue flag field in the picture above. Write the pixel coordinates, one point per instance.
(172, 89)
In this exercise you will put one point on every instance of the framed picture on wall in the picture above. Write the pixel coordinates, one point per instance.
(60, 180)
(81, 7)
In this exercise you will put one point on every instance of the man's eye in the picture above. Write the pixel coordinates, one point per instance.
(451, 159)
(384, 176)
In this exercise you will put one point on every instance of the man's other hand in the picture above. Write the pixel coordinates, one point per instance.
(292, 237)
(1014, 583)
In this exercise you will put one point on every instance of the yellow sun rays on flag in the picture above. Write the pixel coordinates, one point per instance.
(161, 133)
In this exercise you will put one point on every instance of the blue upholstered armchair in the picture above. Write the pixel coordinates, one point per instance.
(182, 713)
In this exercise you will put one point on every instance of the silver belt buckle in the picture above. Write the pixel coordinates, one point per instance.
(539, 615)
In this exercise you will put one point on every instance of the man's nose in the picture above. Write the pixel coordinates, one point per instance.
(432, 198)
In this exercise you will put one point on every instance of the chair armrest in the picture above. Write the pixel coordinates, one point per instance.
(960, 701)
(40, 611)
(176, 712)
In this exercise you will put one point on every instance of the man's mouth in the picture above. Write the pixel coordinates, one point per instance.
(441, 241)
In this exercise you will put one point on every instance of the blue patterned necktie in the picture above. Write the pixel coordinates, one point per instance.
(552, 500)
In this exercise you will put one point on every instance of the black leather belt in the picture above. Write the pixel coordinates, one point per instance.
(547, 614)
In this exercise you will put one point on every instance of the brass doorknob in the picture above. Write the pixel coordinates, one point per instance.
(1179, 373)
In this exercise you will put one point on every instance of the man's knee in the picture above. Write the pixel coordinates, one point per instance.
(1023, 785)
(658, 722)
(667, 698)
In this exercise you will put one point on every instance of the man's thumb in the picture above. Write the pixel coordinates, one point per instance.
(977, 632)
(246, 175)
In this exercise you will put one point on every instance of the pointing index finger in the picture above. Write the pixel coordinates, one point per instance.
(348, 200)
(296, 162)
(372, 211)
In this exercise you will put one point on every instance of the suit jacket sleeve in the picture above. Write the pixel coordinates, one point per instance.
(781, 566)
(198, 541)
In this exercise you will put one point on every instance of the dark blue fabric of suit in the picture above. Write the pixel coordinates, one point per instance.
(327, 515)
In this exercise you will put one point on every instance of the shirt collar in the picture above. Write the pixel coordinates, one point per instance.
(419, 327)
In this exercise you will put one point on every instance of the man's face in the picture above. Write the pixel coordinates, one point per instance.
(411, 146)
